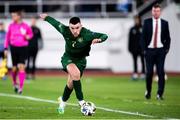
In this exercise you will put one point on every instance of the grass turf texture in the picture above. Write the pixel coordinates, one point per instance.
(114, 92)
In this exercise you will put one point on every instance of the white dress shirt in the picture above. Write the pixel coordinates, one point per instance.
(159, 43)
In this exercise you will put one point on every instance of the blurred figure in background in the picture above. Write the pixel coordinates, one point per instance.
(17, 37)
(2, 39)
(3, 60)
(35, 44)
(135, 49)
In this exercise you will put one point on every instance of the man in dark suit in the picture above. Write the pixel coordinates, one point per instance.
(155, 44)
(135, 49)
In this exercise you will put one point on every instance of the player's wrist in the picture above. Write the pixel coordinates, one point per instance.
(46, 18)
(100, 40)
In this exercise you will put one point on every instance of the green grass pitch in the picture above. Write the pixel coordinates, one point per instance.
(123, 97)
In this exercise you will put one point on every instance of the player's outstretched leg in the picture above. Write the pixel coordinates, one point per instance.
(75, 74)
(62, 105)
(62, 100)
(66, 94)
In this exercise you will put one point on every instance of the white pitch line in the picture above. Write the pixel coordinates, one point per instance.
(71, 104)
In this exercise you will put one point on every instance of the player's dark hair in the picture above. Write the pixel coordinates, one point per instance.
(35, 17)
(74, 20)
(18, 12)
(137, 17)
(157, 5)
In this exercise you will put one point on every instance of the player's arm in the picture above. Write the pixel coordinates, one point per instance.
(29, 33)
(98, 37)
(56, 24)
(143, 37)
(168, 39)
(40, 40)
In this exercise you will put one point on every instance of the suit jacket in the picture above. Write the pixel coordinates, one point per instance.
(148, 31)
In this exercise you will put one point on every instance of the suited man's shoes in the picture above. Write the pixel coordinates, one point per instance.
(158, 97)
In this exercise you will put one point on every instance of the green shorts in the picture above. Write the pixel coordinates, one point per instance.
(79, 62)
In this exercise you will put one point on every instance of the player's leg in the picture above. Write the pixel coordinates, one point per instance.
(22, 51)
(21, 76)
(75, 76)
(14, 76)
(68, 89)
(135, 74)
(150, 58)
(160, 72)
(66, 94)
(14, 57)
(142, 76)
(28, 64)
(34, 55)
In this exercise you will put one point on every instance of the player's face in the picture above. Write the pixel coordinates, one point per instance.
(156, 12)
(75, 29)
(33, 21)
(137, 21)
(15, 17)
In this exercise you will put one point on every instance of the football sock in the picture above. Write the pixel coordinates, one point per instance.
(22, 76)
(78, 89)
(14, 74)
(67, 93)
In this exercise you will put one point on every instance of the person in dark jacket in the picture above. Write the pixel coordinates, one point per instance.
(35, 44)
(155, 44)
(135, 49)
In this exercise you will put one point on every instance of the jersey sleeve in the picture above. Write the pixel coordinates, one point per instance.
(29, 31)
(56, 24)
(96, 35)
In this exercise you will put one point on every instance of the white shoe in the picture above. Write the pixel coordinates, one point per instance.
(62, 105)
(134, 76)
(142, 76)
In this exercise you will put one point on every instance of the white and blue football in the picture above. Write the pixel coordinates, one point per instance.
(88, 109)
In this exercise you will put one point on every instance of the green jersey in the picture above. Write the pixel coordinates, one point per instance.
(80, 46)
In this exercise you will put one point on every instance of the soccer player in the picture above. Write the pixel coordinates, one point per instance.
(135, 48)
(17, 38)
(78, 44)
(2, 39)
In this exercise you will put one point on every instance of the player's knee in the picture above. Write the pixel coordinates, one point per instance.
(76, 75)
(14, 69)
(70, 84)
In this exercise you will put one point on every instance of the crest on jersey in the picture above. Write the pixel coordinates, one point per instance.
(80, 39)
(69, 61)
